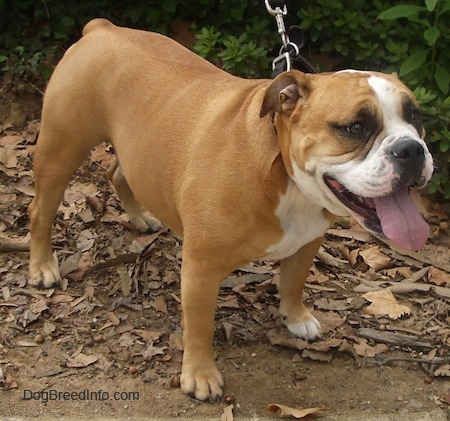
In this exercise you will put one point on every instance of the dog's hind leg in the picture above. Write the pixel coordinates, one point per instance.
(143, 220)
(56, 159)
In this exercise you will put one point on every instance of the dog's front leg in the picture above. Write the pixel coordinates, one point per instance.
(200, 285)
(293, 274)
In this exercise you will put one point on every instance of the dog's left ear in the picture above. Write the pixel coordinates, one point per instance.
(284, 92)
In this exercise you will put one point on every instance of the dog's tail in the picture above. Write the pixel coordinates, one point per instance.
(96, 23)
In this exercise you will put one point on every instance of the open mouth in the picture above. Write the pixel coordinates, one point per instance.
(393, 215)
(363, 208)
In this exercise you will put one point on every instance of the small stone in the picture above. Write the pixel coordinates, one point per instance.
(132, 369)
(175, 381)
(39, 338)
(230, 399)
(415, 405)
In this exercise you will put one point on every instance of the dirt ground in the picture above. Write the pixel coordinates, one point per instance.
(108, 343)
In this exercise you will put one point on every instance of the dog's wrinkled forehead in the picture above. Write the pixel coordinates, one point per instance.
(397, 107)
(396, 102)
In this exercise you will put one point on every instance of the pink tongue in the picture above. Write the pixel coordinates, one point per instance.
(400, 220)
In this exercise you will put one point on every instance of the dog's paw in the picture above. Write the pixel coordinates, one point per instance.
(204, 384)
(308, 330)
(298, 319)
(145, 222)
(45, 275)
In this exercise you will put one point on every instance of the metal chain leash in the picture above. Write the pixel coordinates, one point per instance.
(289, 50)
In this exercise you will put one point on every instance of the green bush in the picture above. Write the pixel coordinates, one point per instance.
(240, 36)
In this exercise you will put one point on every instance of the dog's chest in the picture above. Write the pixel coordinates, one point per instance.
(301, 220)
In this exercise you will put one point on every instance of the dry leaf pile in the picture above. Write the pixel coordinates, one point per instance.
(119, 306)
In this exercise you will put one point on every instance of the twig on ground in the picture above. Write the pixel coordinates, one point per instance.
(391, 338)
(13, 246)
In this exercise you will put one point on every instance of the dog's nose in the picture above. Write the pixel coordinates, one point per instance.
(409, 158)
(410, 152)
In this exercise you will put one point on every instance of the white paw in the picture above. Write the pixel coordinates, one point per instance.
(46, 275)
(308, 330)
(145, 222)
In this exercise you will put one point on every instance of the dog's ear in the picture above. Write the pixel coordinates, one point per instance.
(284, 92)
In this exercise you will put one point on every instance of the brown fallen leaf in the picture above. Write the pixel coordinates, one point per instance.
(49, 373)
(86, 240)
(48, 327)
(384, 303)
(229, 330)
(148, 335)
(28, 317)
(159, 304)
(114, 319)
(330, 304)
(70, 264)
(7, 381)
(8, 156)
(81, 360)
(329, 320)
(363, 348)
(124, 326)
(126, 340)
(77, 192)
(446, 398)
(227, 414)
(438, 277)
(38, 306)
(151, 351)
(176, 341)
(443, 371)
(125, 280)
(314, 355)
(401, 272)
(230, 301)
(325, 346)
(102, 155)
(286, 411)
(103, 363)
(352, 234)
(284, 338)
(375, 258)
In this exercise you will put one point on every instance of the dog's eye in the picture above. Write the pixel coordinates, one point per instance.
(356, 128)
(414, 117)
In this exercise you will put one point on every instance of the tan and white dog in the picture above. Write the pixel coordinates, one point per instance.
(240, 169)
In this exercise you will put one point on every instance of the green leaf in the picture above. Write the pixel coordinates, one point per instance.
(59, 36)
(44, 70)
(413, 62)
(169, 6)
(431, 4)
(442, 78)
(431, 35)
(68, 21)
(401, 11)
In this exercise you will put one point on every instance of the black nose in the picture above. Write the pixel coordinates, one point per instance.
(409, 158)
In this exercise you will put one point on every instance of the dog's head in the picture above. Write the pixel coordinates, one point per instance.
(353, 142)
